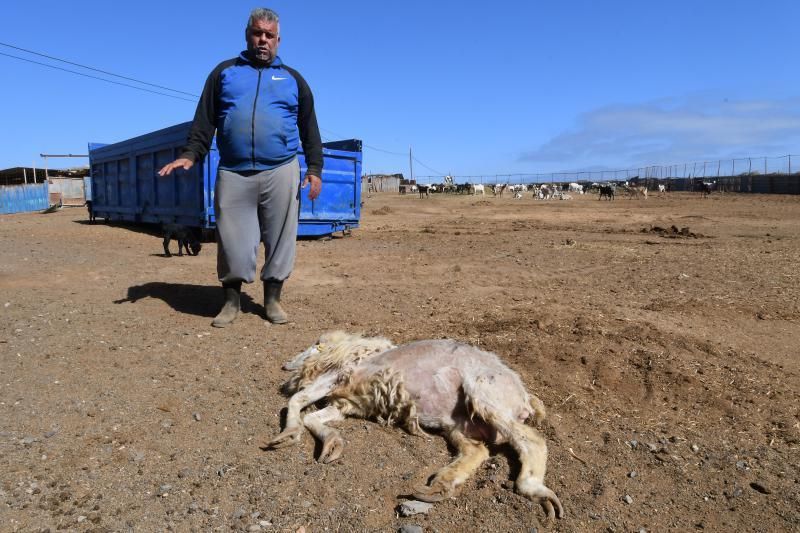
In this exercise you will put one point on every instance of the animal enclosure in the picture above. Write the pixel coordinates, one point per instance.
(667, 361)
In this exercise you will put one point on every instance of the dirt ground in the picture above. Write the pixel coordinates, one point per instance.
(667, 359)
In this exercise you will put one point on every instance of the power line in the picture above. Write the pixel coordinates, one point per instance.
(426, 166)
(364, 144)
(98, 78)
(385, 151)
(96, 69)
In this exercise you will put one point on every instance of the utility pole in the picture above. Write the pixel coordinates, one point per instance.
(410, 164)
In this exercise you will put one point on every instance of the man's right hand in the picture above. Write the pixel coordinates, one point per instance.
(181, 162)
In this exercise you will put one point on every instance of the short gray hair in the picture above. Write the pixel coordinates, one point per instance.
(263, 13)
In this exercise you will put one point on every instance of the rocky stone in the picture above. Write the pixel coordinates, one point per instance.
(412, 507)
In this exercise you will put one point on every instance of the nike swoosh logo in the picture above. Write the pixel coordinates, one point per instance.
(274, 78)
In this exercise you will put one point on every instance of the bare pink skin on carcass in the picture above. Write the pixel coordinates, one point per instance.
(433, 373)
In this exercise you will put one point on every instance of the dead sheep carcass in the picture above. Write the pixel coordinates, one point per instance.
(466, 393)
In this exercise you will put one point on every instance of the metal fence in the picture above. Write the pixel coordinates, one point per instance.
(770, 175)
(68, 191)
(23, 198)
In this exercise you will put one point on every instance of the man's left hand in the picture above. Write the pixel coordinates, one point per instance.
(316, 186)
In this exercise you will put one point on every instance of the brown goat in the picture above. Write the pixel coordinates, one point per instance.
(466, 393)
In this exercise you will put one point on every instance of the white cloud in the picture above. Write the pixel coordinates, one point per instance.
(672, 131)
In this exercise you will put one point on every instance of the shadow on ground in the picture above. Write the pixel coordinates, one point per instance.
(199, 300)
(138, 227)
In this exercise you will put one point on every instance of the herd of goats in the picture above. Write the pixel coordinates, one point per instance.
(557, 191)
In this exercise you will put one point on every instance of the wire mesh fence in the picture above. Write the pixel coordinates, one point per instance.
(769, 175)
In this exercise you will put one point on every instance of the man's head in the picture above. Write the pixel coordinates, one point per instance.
(263, 35)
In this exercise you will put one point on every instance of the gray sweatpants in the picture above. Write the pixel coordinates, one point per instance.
(255, 207)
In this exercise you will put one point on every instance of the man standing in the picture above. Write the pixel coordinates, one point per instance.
(261, 110)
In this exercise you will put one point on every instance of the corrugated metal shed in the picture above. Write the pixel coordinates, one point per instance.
(381, 182)
(23, 198)
(21, 175)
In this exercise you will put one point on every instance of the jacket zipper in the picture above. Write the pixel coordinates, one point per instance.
(253, 123)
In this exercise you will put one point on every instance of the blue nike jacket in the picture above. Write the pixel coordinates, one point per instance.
(260, 115)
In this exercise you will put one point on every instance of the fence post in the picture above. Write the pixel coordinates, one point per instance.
(790, 165)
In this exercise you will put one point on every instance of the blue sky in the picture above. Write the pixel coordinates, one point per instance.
(475, 88)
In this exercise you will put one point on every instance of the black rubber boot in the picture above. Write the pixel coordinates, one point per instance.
(233, 292)
(272, 302)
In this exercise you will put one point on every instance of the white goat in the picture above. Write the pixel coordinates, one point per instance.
(465, 392)
(576, 187)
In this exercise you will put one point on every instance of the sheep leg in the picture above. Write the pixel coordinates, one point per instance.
(332, 441)
(471, 453)
(317, 390)
(532, 451)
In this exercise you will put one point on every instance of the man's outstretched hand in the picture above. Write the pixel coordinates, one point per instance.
(316, 185)
(181, 162)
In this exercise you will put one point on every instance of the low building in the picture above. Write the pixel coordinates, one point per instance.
(381, 182)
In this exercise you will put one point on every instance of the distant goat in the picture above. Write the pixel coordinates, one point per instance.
(423, 190)
(545, 192)
(464, 392)
(636, 191)
(606, 191)
(576, 187)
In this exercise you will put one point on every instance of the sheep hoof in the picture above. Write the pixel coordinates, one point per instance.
(287, 437)
(332, 449)
(436, 492)
(546, 498)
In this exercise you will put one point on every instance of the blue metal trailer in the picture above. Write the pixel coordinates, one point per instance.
(126, 185)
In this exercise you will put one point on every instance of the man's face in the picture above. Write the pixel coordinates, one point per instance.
(262, 40)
